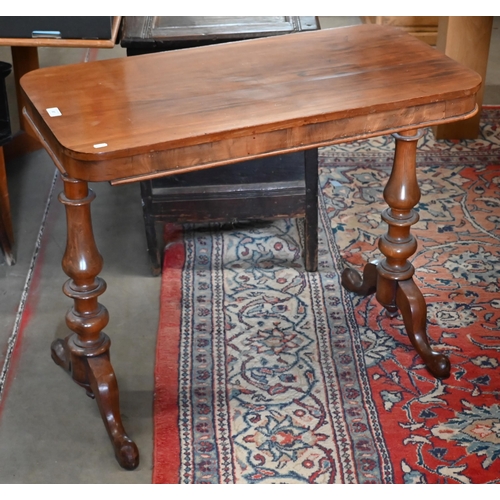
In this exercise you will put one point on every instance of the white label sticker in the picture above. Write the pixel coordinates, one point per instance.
(101, 145)
(54, 112)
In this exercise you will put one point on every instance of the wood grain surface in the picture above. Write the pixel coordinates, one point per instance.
(213, 105)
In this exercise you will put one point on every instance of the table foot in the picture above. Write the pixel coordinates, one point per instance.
(105, 389)
(405, 297)
(411, 303)
(60, 353)
(96, 375)
(365, 284)
(361, 285)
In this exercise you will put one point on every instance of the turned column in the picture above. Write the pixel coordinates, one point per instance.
(392, 277)
(401, 194)
(84, 354)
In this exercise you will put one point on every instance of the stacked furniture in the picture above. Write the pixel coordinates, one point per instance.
(267, 188)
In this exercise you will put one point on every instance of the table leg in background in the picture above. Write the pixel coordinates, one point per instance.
(6, 231)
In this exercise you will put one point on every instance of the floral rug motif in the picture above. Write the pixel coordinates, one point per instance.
(266, 373)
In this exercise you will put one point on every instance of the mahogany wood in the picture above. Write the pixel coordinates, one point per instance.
(198, 108)
(411, 303)
(85, 353)
(294, 92)
(361, 285)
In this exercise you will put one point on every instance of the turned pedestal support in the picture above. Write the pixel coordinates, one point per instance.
(84, 354)
(392, 278)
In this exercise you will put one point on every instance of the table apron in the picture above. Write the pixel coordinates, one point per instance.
(246, 145)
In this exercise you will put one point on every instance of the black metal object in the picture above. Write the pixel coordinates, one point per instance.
(67, 27)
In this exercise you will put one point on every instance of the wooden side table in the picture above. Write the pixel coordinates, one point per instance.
(187, 110)
(276, 187)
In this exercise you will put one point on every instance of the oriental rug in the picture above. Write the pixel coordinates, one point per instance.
(268, 374)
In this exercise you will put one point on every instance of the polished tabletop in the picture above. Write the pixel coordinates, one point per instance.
(109, 119)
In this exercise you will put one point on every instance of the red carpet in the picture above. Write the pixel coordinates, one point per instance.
(166, 430)
(266, 373)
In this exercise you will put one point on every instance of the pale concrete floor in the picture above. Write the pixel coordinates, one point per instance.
(50, 432)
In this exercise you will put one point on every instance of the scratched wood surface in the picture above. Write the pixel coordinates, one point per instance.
(195, 108)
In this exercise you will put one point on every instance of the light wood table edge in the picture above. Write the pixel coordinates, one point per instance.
(25, 59)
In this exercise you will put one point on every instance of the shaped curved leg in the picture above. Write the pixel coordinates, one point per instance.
(361, 285)
(412, 305)
(84, 354)
(96, 375)
(105, 389)
(73, 365)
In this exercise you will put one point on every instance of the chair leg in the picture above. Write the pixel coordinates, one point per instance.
(6, 232)
(149, 224)
(311, 218)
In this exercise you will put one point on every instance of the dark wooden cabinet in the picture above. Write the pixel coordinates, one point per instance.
(57, 27)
